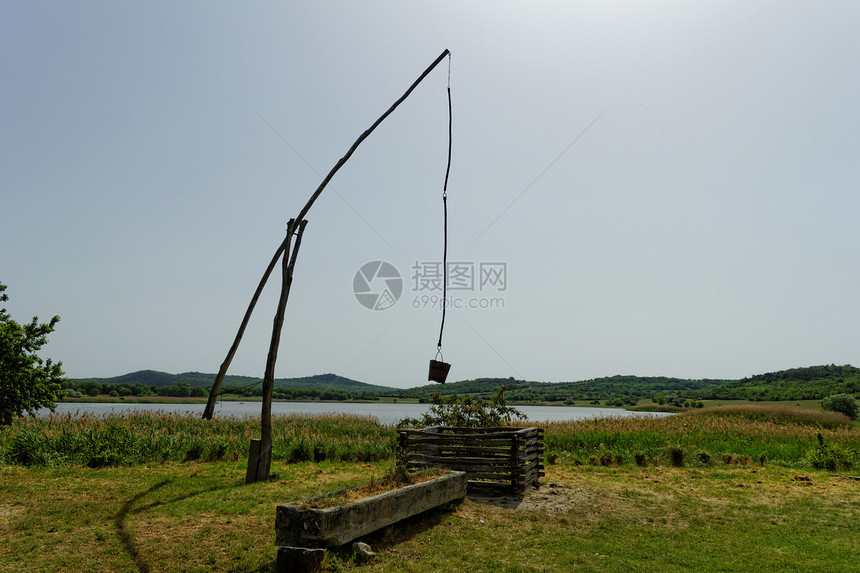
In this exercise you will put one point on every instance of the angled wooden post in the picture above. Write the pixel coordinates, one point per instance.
(209, 411)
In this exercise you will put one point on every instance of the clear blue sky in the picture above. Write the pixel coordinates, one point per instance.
(672, 187)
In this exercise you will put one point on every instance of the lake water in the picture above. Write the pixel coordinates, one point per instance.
(386, 413)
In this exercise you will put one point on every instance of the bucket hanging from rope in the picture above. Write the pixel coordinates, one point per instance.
(438, 367)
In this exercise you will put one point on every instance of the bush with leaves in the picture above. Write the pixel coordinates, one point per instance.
(27, 382)
(462, 411)
(842, 403)
(831, 457)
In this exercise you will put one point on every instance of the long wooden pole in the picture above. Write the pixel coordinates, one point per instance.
(364, 135)
(209, 411)
(284, 247)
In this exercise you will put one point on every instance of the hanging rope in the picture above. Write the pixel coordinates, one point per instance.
(445, 219)
(233, 389)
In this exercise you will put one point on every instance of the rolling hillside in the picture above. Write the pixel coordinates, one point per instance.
(809, 383)
(198, 379)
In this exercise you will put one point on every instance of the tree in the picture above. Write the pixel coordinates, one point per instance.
(27, 382)
(842, 403)
(454, 410)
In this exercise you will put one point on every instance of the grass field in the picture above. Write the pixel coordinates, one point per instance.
(200, 517)
(620, 497)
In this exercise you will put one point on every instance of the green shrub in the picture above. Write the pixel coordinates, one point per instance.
(675, 455)
(29, 449)
(608, 457)
(195, 452)
(736, 459)
(830, 456)
(462, 411)
(841, 403)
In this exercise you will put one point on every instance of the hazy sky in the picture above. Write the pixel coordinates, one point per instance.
(661, 188)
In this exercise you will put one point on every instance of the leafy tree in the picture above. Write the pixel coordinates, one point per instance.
(27, 382)
(842, 403)
(462, 411)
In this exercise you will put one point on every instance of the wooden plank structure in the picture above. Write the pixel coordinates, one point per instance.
(506, 459)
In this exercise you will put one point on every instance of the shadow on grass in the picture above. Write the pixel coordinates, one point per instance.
(399, 532)
(503, 501)
(128, 508)
(270, 567)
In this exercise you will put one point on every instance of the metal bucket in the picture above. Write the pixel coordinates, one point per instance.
(438, 371)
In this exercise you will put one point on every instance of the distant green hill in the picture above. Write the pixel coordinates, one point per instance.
(810, 383)
(198, 379)
(621, 387)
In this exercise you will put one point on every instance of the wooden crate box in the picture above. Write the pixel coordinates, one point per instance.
(507, 459)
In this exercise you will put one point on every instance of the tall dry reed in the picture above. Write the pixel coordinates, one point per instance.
(745, 434)
(144, 437)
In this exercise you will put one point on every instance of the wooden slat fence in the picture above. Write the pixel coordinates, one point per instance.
(509, 459)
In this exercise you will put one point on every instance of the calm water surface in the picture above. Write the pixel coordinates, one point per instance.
(385, 413)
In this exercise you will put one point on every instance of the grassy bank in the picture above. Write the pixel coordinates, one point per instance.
(147, 437)
(184, 517)
(732, 435)
(727, 489)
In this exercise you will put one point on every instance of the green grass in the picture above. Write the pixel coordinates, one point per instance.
(636, 520)
(739, 435)
(145, 437)
(734, 435)
(803, 404)
(195, 516)
(746, 496)
(168, 517)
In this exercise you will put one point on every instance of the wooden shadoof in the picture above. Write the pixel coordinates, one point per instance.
(508, 460)
(260, 456)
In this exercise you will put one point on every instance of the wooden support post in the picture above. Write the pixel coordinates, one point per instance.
(515, 463)
(288, 265)
(253, 461)
(299, 560)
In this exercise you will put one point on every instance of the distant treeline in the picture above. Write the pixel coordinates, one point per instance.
(613, 391)
(80, 388)
(194, 379)
(810, 383)
(302, 393)
(92, 388)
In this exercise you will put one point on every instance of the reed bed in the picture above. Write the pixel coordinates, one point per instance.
(146, 437)
(737, 435)
(733, 435)
(779, 415)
